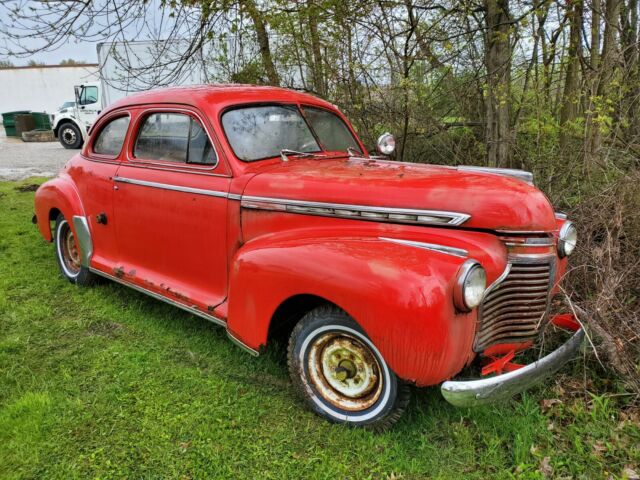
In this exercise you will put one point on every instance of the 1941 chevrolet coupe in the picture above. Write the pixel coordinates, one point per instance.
(260, 209)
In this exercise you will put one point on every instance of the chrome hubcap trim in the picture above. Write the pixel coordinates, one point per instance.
(344, 371)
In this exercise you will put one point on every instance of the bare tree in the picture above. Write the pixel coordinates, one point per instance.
(498, 97)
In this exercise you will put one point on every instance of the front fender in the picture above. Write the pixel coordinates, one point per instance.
(60, 194)
(400, 295)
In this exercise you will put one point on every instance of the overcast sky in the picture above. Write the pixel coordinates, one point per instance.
(82, 51)
(77, 51)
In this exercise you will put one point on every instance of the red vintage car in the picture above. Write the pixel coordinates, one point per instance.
(260, 210)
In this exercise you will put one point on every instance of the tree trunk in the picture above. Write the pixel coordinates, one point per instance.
(594, 70)
(607, 65)
(571, 95)
(317, 72)
(629, 43)
(263, 41)
(498, 98)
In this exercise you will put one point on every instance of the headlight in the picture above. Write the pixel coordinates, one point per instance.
(567, 239)
(470, 286)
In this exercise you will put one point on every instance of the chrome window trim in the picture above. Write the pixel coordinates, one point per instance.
(183, 166)
(456, 252)
(344, 210)
(175, 188)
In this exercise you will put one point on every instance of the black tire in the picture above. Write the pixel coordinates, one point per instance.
(70, 136)
(329, 357)
(68, 255)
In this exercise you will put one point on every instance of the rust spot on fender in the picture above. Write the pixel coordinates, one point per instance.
(210, 308)
(132, 272)
(118, 272)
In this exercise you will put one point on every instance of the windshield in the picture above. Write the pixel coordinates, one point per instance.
(259, 132)
(332, 132)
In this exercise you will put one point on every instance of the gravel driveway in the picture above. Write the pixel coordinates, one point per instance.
(19, 160)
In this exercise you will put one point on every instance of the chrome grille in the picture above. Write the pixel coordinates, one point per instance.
(514, 309)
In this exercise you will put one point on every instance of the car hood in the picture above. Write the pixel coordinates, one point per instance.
(492, 201)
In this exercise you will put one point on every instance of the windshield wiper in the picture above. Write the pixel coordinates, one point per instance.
(285, 152)
(353, 152)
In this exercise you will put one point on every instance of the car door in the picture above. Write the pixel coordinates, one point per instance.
(170, 202)
(89, 105)
(93, 177)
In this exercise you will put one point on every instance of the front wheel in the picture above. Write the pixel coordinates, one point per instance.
(341, 374)
(70, 136)
(68, 255)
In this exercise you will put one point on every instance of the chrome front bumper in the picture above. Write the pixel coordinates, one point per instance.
(486, 390)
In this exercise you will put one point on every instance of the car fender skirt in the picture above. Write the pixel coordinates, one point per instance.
(487, 390)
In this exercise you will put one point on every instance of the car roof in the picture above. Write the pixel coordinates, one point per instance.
(220, 95)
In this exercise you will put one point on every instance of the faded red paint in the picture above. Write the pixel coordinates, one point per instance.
(208, 253)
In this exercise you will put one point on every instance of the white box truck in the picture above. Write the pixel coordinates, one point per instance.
(125, 68)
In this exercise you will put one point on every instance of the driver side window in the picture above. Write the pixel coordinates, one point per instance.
(174, 137)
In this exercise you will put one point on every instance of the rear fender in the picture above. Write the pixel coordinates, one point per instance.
(60, 194)
(400, 295)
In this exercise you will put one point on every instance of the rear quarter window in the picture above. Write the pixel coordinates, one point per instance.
(111, 137)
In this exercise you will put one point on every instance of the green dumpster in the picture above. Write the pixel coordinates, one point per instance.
(24, 123)
(42, 120)
(9, 122)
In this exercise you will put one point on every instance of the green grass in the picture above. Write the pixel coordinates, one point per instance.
(107, 383)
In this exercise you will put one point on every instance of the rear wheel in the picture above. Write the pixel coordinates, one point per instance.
(69, 256)
(340, 373)
(70, 136)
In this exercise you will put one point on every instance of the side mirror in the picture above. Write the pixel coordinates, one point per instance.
(386, 144)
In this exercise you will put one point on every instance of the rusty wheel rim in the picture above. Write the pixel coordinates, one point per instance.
(344, 371)
(69, 252)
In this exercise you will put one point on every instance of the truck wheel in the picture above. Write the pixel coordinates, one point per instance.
(341, 374)
(70, 136)
(68, 255)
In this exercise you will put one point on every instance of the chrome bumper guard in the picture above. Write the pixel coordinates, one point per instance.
(487, 390)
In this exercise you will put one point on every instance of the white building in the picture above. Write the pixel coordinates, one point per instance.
(42, 88)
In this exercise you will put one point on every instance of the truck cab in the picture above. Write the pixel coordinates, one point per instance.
(71, 125)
